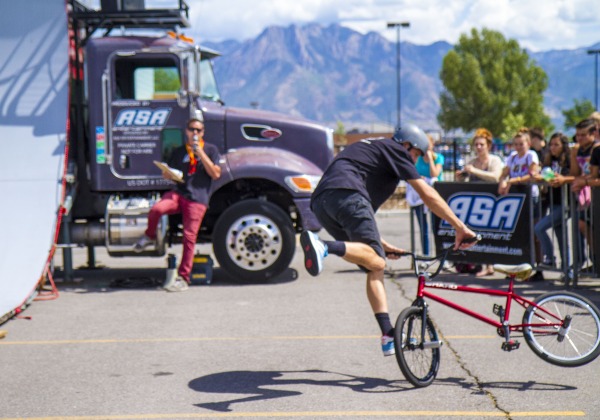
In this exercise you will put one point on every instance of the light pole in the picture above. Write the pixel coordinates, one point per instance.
(595, 52)
(398, 25)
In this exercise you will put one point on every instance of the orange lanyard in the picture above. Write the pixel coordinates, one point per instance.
(193, 161)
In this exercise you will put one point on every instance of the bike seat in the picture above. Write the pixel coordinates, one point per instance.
(521, 271)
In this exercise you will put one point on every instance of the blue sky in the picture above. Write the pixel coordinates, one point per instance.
(538, 25)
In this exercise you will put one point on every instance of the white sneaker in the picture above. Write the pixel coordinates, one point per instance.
(179, 285)
(314, 252)
(142, 243)
(387, 345)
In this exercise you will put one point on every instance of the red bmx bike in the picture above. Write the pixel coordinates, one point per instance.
(563, 328)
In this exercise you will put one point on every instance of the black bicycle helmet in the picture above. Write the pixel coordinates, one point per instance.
(414, 135)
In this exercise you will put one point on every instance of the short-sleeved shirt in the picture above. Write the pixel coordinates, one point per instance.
(423, 167)
(595, 157)
(494, 168)
(195, 187)
(372, 167)
(558, 169)
(519, 167)
(584, 158)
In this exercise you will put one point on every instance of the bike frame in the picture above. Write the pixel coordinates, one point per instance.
(510, 295)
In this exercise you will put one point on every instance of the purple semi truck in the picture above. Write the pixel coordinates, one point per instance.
(131, 95)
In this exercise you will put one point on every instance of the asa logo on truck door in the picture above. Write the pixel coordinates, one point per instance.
(142, 117)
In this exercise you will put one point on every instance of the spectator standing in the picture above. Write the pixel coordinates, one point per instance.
(522, 165)
(558, 159)
(585, 136)
(596, 117)
(594, 178)
(594, 182)
(538, 145)
(485, 167)
(430, 167)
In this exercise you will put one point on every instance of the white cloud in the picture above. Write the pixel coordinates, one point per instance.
(537, 25)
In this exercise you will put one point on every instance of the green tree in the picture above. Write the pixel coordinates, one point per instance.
(511, 124)
(491, 82)
(581, 110)
(340, 132)
(166, 79)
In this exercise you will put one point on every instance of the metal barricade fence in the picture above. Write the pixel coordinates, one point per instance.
(555, 219)
(584, 219)
(573, 237)
(578, 255)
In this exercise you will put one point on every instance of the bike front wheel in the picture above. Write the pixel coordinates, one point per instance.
(572, 344)
(418, 354)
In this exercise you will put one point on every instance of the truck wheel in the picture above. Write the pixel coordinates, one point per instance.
(254, 241)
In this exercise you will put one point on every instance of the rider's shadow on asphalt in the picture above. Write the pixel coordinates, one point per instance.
(256, 384)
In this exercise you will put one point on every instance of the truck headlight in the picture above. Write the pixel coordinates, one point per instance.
(302, 183)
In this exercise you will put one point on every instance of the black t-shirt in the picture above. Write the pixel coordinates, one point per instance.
(372, 167)
(195, 186)
(562, 170)
(595, 158)
(541, 153)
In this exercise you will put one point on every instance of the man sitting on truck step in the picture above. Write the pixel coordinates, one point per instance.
(198, 161)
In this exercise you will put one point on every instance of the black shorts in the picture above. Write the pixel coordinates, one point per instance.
(348, 216)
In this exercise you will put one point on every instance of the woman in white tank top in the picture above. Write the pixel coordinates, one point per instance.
(522, 165)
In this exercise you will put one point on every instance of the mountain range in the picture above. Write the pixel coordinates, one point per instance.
(333, 74)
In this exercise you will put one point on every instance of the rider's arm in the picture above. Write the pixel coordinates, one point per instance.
(438, 205)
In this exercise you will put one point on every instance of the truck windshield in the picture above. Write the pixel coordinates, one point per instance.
(209, 89)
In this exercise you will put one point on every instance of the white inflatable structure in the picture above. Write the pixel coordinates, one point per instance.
(34, 95)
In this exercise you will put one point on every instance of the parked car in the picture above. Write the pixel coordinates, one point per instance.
(453, 160)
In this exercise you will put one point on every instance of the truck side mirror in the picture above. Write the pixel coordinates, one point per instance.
(182, 98)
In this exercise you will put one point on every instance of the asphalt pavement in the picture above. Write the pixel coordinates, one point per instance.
(113, 345)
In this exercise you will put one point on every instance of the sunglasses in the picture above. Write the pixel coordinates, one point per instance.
(195, 130)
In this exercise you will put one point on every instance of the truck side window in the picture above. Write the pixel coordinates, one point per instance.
(143, 79)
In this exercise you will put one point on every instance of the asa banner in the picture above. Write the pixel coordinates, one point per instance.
(505, 223)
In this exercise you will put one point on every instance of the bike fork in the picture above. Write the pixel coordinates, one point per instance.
(427, 344)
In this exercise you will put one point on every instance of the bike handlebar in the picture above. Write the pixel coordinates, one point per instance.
(441, 257)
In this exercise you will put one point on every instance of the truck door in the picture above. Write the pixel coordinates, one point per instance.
(144, 119)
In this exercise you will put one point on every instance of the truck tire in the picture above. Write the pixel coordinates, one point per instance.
(254, 241)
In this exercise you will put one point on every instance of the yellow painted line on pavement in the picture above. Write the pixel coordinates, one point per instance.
(194, 339)
(318, 414)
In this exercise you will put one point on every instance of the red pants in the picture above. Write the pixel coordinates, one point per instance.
(192, 212)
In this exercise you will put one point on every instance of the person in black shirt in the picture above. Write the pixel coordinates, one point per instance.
(594, 178)
(199, 163)
(353, 187)
(538, 142)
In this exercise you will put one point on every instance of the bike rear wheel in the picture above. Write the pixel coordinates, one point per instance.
(575, 345)
(418, 362)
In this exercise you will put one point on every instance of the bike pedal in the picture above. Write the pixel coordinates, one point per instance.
(510, 345)
(498, 310)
